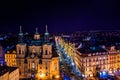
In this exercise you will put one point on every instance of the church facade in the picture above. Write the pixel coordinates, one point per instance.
(37, 58)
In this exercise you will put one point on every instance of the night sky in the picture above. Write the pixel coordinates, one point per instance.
(60, 16)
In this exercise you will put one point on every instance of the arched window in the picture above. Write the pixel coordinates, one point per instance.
(55, 66)
(33, 65)
(46, 52)
(19, 51)
(46, 73)
(46, 65)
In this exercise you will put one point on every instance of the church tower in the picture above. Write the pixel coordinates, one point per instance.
(47, 47)
(21, 46)
(21, 50)
(37, 35)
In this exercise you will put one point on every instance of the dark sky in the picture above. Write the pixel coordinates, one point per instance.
(60, 16)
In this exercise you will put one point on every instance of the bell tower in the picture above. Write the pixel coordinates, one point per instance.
(21, 46)
(47, 51)
(21, 50)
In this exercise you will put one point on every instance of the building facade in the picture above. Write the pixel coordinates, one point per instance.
(94, 61)
(10, 58)
(102, 62)
(37, 58)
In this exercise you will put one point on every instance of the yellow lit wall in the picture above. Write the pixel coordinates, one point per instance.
(5, 76)
(10, 58)
(51, 71)
(14, 75)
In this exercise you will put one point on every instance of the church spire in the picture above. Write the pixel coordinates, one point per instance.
(20, 29)
(36, 30)
(46, 36)
(46, 29)
(20, 35)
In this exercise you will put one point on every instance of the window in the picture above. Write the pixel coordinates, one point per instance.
(46, 65)
(33, 51)
(46, 73)
(87, 60)
(45, 52)
(33, 65)
(55, 66)
(40, 67)
(40, 73)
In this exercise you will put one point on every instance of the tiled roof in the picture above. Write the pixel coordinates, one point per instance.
(5, 69)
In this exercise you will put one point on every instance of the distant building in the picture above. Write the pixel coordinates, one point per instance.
(9, 73)
(10, 58)
(94, 61)
(2, 61)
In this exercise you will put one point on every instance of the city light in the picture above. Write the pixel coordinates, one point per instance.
(42, 75)
(104, 72)
(83, 75)
(57, 76)
(72, 63)
(91, 75)
(110, 71)
(68, 56)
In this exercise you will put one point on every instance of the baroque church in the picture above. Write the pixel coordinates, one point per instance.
(37, 58)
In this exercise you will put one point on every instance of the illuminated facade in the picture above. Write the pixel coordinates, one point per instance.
(10, 58)
(4, 76)
(104, 61)
(37, 58)
(94, 60)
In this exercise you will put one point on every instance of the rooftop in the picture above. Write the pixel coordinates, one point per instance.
(5, 69)
(94, 49)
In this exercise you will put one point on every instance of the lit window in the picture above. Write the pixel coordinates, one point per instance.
(55, 66)
(40, 67)
(40, 73)
(46, 73)
(33, 50)
(33, 65)
(45, 52)
(46, 65)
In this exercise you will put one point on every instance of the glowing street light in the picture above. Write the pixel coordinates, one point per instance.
(57, 77)
(72, 63)
(68, 56)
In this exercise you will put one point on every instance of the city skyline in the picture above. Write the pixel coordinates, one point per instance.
(77, 56)
(67, 16)
(60, 40)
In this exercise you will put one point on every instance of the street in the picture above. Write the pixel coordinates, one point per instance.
(65, 67)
